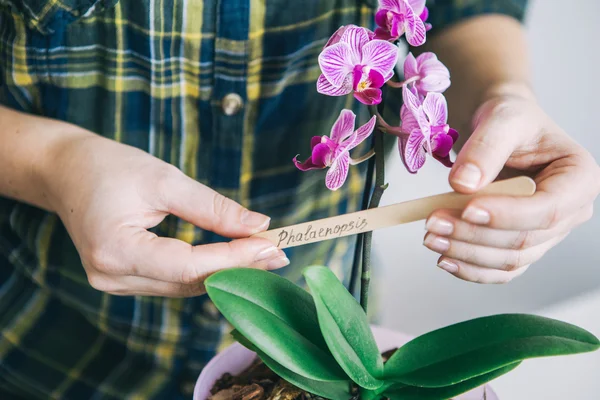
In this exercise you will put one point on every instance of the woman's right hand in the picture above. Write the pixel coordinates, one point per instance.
(108, 195)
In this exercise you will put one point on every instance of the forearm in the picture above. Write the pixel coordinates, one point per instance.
(486, 55)
(28, 149)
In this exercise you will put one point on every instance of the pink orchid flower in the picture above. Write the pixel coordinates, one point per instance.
(398, 17)
(334, 151)
(352, 62)
(427, 73)
(427, 129)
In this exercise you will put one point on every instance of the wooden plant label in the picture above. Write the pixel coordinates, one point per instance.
(384, 217)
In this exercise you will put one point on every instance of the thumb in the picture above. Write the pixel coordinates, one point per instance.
(207, 209)
(497, 133)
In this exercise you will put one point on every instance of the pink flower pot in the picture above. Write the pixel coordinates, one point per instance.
(236, 358)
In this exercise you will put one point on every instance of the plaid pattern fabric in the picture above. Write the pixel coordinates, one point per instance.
(152, 74)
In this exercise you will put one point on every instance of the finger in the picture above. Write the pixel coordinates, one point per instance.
(205, 208)
(448, 223)
(489, 257)
(473, 273)
(557, 195)
(172, 260)
(126, 285)
(492, 142)
(542, 211)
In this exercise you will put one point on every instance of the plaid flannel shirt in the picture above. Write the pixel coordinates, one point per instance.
(153, 74)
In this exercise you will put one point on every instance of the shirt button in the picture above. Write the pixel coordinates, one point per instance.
(232, 104)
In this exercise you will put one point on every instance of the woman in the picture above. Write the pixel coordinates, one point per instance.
(136, 135)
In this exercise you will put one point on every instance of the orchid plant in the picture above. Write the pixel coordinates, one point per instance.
(321, 341)
(362, 62)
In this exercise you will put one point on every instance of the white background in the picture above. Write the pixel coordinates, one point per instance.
(415, 296)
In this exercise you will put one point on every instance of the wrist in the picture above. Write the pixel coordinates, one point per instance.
(508, 89)
(60, 162)
(28, 150)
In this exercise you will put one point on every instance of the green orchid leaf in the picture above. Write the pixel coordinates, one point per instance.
(345, 328)
(402, 392)
(278, 317)
(460, 352)
(327, 389)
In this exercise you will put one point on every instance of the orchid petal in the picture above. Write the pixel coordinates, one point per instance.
(315, 140)
(381, 18)
(363, 132)
(410, 99)
(411, 68)
(388, 76)
(453, 134)
(441, 144)
(343, 126)
(421, 118)
(329, 142)
(369, 97)
(415, 107)
(380, 55)
(383, 34)
(393, 5)
(419, 8)
(321, 153)
(424, 126)
(412, 153)
(416, 36)
(445, 161)
(433, 83)
(356, 38)
(357, 76)
(414, 27)
(436, 109)
(335, 63)
(337, 35)
(435, 75)
(397, 28)
(325, 87)
(409, 122)
(357, 137)
(338, 172)
(307, 165)
(426, 57)
(376, 79)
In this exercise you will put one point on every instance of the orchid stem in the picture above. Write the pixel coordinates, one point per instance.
(381, 122)
(399, 85)
(380, 187)
(358, 246)
(355, 161)
(387, 128)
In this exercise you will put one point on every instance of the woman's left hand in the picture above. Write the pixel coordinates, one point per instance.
(496, 238)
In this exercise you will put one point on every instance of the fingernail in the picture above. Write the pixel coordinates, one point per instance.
(436, 243)
(255, 220)
(267, 253)
(476, 215)
(439, 226)
(467, 175)
(448, 266)
(278, 262)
